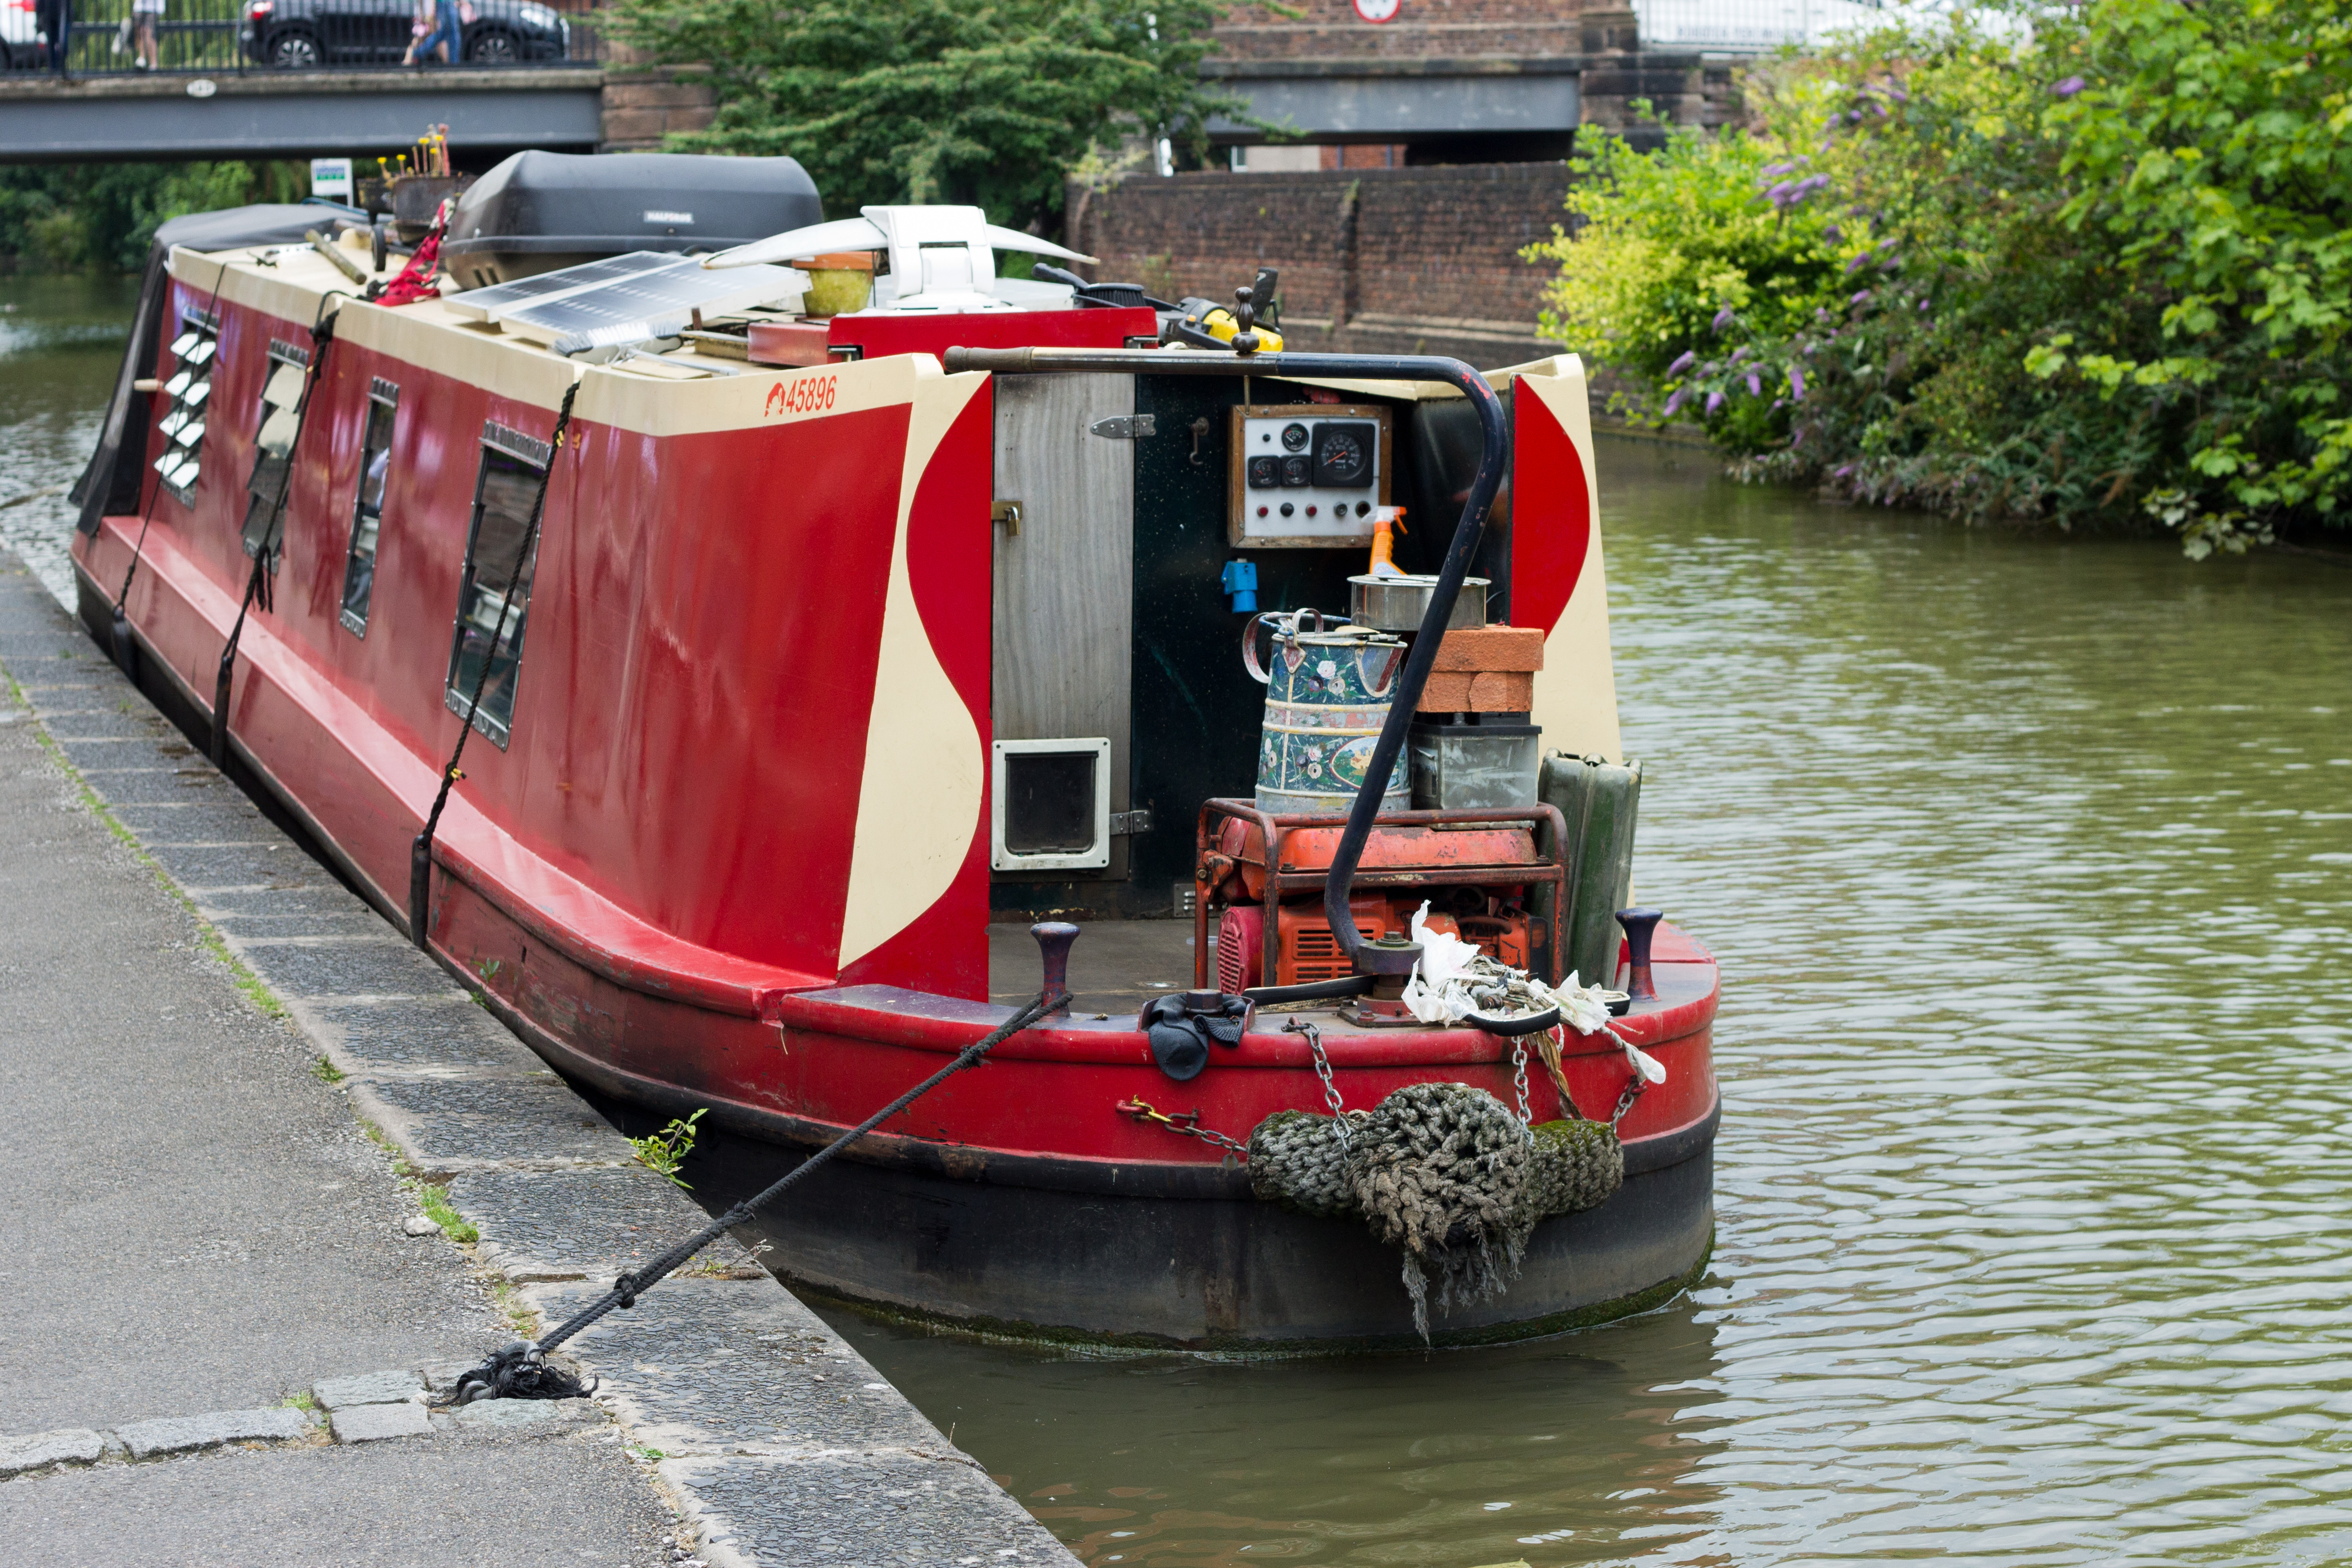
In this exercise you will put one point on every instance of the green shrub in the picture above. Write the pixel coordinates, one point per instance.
(2094, 271)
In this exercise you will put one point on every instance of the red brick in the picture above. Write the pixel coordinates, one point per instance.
(1517, 648)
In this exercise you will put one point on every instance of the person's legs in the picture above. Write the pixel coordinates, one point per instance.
(445, 33)
(144, 31)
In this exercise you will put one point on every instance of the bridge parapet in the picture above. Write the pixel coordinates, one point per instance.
(298, 113)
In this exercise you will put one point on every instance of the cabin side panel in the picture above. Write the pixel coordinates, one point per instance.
(691, 720)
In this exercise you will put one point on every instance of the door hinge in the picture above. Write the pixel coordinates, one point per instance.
(1124, 426)
(1126, 823)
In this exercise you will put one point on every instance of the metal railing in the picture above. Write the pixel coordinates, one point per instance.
(1748, 24)
(210, 37)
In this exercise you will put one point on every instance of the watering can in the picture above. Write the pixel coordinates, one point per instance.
(1327, 698)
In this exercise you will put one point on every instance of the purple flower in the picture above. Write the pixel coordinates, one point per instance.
(1739, 353)
(1923, 302)
(1773, 170)
(1714, 401)
(1797, 381)
(2069, 86)
(1858, 297)
(1858, 262)
(1834, 235)
(1724, 318)
(1690, 357)
(1676, 400)
(1755, 384)
(1843, 471)
(1779, 194)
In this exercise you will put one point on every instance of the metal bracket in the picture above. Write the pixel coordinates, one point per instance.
(1007, 512)
(1126, 823)
(1124, 426)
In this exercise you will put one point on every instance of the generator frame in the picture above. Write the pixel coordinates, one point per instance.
(1545, 876)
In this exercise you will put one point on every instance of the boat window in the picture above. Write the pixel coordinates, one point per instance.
(185, 391)
(494, 594)
(275, 425)
(367, 516)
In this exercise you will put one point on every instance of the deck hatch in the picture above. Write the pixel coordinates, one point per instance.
(485, 649)
(367, 511)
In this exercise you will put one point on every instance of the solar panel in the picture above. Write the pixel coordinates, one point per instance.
(489, 304)
(653, 304)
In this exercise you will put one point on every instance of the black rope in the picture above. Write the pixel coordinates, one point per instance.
(256, 583)
(420, 850)
(519, 1371)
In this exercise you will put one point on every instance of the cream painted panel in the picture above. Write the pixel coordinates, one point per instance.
(920, 802)
(1576, 690)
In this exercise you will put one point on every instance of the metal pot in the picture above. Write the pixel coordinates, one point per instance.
(1397, 604)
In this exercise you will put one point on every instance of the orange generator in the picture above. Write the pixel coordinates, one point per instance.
(1493, 877)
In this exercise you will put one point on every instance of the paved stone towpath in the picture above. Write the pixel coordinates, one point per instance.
(275, 1177)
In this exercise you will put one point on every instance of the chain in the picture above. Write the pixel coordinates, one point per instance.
(1322, 1070)
(1634, 1086)
(1187, 1123)
(1519, 1080)
(1625, 1100)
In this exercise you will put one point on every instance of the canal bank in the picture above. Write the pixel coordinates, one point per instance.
(241, 1100)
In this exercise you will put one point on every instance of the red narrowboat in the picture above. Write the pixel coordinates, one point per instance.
(800, 692)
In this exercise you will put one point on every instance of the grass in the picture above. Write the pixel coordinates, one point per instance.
(302, 1400)
(326, 1071)
(433, 1198)
(208, 936)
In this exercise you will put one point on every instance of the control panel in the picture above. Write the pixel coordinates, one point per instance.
(1308, 474)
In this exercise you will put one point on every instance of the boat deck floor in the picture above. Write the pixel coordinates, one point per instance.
(1116, 966)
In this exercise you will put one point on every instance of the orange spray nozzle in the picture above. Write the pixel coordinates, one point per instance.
(1385, 518)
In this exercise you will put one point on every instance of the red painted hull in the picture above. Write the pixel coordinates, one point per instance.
(673, 882)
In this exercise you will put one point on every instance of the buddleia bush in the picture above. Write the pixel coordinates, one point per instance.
(2087, 265)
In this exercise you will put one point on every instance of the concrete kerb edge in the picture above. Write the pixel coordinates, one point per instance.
(399, 1133)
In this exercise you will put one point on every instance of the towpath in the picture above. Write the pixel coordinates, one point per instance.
(276, 1175)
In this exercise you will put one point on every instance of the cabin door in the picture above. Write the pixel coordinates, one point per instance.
(1064, 603)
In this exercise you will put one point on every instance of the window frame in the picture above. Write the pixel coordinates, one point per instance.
(507, 442)
(385, 395)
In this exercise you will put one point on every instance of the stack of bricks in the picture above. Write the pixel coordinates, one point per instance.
(1490, 670)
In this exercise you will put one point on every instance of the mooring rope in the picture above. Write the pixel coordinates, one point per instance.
(521, 1371)
(420, 850)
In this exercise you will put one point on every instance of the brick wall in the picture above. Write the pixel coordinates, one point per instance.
(1330, 29)
(1413, 261)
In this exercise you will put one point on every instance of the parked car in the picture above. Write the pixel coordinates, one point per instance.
(23, 45)
(298, 35)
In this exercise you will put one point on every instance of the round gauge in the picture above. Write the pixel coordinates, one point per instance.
(1293, 437)
(1342, 458)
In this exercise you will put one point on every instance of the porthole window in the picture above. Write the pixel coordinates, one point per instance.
(367, 515)
(494, 594)
(187, 390)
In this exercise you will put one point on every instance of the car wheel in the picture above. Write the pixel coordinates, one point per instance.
(494, 47)
(294, 52)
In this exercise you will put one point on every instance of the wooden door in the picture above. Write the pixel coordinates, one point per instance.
(1063, 603)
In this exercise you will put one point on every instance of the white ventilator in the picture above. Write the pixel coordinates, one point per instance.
(942, 258)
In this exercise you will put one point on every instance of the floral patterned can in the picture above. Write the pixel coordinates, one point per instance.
(1327, 698)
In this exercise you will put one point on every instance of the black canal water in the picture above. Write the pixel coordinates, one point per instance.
(2029, 859)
